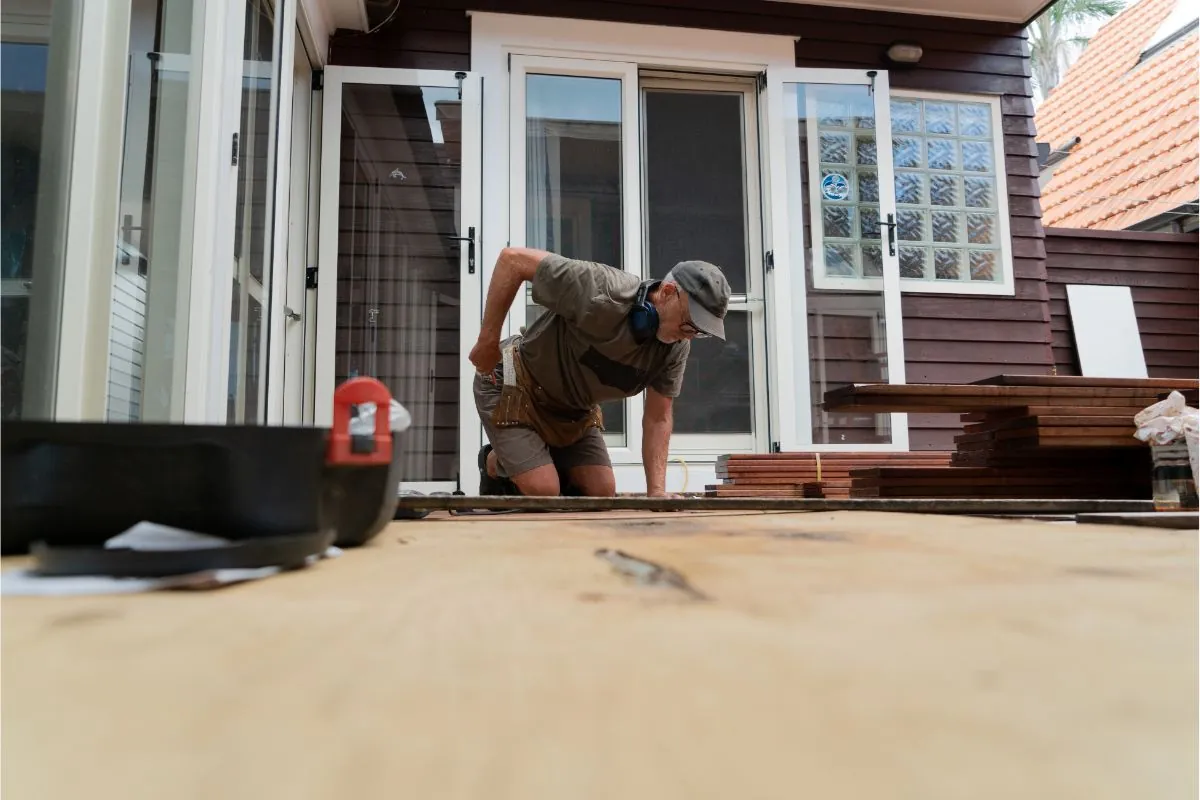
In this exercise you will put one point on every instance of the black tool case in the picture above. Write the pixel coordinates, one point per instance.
(78, 484)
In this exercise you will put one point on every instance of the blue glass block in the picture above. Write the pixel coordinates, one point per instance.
(906, 116)
(838, 221)
(947, 264)
(835, 148)
(940, 153)
(977, 156)
(943, 190)
(868, 187)
(868, 222)
(910, 225)
(981, 228)
(912, 262)
(983, 265)
(865, 151)
(839, 260)
(981, 192)
(910, 187)
(974, 119)
(872, 261)
(906, 152)
(939, 117)
(947, 226)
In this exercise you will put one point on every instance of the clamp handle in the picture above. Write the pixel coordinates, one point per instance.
(347, 450)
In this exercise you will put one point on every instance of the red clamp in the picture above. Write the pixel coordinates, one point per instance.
(355, 392)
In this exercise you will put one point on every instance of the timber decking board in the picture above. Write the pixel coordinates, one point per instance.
(1153, 384)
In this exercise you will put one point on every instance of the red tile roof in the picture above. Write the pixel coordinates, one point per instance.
(1140, 147)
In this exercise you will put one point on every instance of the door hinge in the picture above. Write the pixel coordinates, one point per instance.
(234, 154)
(776, 447)
(769, 260)
(460, 77)
(509, 68)
(310, 278)
(318, 80)
(762, 80)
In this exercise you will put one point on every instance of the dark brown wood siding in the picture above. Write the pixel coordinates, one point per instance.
(954, 338)
(1160, 268)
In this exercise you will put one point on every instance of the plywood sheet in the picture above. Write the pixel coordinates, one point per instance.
(842, 655)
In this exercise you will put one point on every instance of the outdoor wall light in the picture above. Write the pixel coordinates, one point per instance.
(904, 52)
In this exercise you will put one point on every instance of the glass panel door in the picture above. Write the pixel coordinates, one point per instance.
(834, 223)
(398, 281)
(577, 142)
(149, 330)
(253, 232)
(700, 162)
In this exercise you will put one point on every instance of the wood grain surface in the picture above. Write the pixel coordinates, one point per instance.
(841, 655)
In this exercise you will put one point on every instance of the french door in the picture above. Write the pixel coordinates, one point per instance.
(641, 169)
(398, 279)
(834, 294)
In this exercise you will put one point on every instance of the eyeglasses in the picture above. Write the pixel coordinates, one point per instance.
(687, 326)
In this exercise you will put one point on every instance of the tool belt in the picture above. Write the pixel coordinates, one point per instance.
(524, 404)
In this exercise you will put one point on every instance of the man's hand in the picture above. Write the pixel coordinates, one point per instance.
(485, 355)
(671, 495)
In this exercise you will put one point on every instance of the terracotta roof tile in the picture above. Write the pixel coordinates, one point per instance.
(1139, 126)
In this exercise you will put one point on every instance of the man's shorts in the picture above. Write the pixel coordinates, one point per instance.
(520, 449)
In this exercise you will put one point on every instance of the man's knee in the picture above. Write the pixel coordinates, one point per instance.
(538, 482)
(594, 481)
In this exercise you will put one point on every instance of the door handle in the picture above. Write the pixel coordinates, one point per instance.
(891, 226)
(470, 240)
(290, 314)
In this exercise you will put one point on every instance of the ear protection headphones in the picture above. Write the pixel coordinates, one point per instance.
(643, 317)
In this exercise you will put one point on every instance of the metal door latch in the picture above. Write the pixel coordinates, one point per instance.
(470, 240)
(890, 224)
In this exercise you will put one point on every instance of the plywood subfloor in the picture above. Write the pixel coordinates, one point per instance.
(844, 655)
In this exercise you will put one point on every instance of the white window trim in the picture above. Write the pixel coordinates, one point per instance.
(496, 37)
(1005, 287)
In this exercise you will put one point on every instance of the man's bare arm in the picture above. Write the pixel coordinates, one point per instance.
(657, 421)
(515, 266)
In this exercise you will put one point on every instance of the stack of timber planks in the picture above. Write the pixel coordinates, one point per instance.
(806, 474)
(1024, 437)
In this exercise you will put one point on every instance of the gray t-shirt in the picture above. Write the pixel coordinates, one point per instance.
(581, 351)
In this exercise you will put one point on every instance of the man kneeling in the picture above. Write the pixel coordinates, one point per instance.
(606, 335)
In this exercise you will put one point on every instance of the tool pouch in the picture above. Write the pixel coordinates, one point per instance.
(524, 404)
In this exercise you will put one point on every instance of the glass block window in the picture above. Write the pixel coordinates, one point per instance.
(848, 189)
(947, 191)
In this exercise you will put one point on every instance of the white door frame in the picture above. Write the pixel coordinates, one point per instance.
(789, 216)
(470, 433)
(286, 379)
(498, 39)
